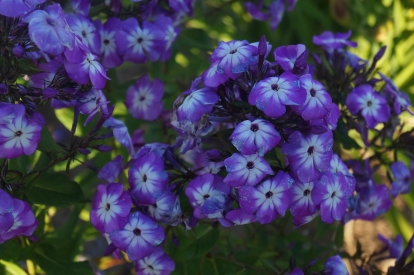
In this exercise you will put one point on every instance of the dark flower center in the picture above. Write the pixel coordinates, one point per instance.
(233, 51)
(275, 87)
(137, 232)
(150, 267)
(369, 103)
(206, 196)
(250, 165)
(333, 194)
(108, 207)
(306, 192)
(312, 92)
(144, 178)
(154, 205)
(83, 33)
(311, 150)
(18, 133)
(269, 194)
(254, 128)
(407, 179)
(139, 40)
(142, 98)
(106, 41)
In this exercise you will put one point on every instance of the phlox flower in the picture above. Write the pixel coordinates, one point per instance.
(109, 53)
(157, 263)
(258, 136)
(146, 177)
(329, 193)
(395, 247)
(120, 132)
(292, 58)
(239, 217)
(18, 134)
(301, 199)
(335, 266)
(83, 27)
(402, 181)
(143, 99)
(308, 155)
(110, 208)
(246, 169)
(49, 31)
(330, 41)
(139, 237)
(373, 201)
(372, 106)
(268, 199)
(272, 94)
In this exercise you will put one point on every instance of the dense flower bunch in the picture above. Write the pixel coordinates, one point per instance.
(65, 58)
(279, 156)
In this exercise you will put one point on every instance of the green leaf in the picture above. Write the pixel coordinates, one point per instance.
(11, 268)
(193, 244)
(12, 175)
(54, 189)
(47, 144)
(27, 66)
(51, 265)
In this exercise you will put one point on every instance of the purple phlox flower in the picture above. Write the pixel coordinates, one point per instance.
(147, 176)
(272, 94)
(17, 8)
(49, 31)
(88, 69)
(330, 121)
(157, 148)
(109, 53)
(373, 201)
(212, 77)
(395, 247)
(202, 161)
(401, 175)
(239, 217)
(6, 208)
(110, 208)
(208, 195)
(296, 271)
(246, 169)
(372, 106)
(330, 193)
(329, 41)
(3, 89)
(83, 27)
(81, 7)
(115, 5)
(135, 42)
(256, 11)
(111, 171)
(78, 53)
(361, 171)
(138, 138)
(182, 6)
(120, 132)
(139, 237)
(91, 102)
(277, 10)
(44, 79)
(401, 99)
(352, 211)
(292, 58)
(310, 155)
(263, 47)
(19, 221)
(143, 99)
(234, 57)
(166, 208)
(301, 220)
(258, 136)
(170, 34)
(158, 263)
(301, 199)
(190, 133)
(194, 103)
(335, 266)
(18, 134)
(268, 199)
(318, 101)
(355, 61)
(337, 166)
